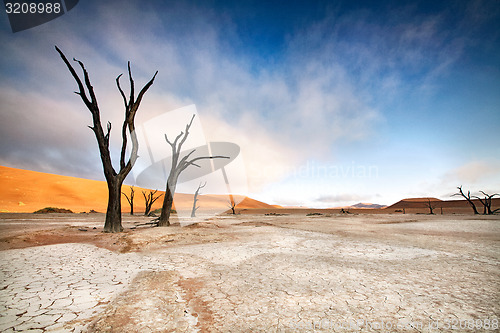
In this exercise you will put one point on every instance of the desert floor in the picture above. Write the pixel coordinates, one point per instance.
(291, 273)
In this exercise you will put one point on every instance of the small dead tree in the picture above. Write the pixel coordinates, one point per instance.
(150, 200)
(178, 165)
(195, 199)
(431, 205)
(232, 204)
(467, 197)
(114, 179)
(130, 199)
(487, 203)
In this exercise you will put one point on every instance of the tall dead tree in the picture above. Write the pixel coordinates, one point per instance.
(487, 203)
(150, 200)
(130, 199)
(468, 198)
(114, 179)
(178, 165)
(195, 199)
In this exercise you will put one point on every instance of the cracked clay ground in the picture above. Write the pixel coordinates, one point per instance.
(254, 273)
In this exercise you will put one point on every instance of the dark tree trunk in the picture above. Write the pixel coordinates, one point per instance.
(232, 204)
(150, 199)
(430, 206)
(473, 206)
(113, 221)
(166, 208)
(130, 199)
(486, 203)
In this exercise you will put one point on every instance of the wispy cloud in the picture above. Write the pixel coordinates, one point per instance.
(473, 172)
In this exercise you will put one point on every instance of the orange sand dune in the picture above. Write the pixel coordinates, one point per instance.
(23, 191)
(419, 205)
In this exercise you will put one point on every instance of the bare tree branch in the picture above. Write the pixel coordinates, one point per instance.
(150, 200)
(468, 198)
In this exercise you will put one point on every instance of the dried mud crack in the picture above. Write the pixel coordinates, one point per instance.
(261, 274)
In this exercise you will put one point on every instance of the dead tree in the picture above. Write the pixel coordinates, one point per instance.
(150, 200)
(429, 204)
(114, 179)
(178, 165)
(130, 199)
(468, 198)
(487, 203)
(232, 204)
(195, 199)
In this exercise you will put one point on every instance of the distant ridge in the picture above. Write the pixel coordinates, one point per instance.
(425, 199)
(361, 205)
(454, 206)
(368, 206)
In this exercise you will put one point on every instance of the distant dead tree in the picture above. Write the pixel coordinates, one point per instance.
(150, 199)
(403, 204)
(114, 179)
(467, 197)
(130, 199)
(178, 165)
(195, 199)
(431, 205)
(232, 204)
(487, 203)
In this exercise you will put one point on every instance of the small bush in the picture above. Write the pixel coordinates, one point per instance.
(158, 211)
(47, 210)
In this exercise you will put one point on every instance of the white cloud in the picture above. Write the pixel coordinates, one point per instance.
(474, 172)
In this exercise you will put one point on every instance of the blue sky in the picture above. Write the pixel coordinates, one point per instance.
(331, 102)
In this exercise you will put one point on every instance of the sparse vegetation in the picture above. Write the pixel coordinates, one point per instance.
(48, 210)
